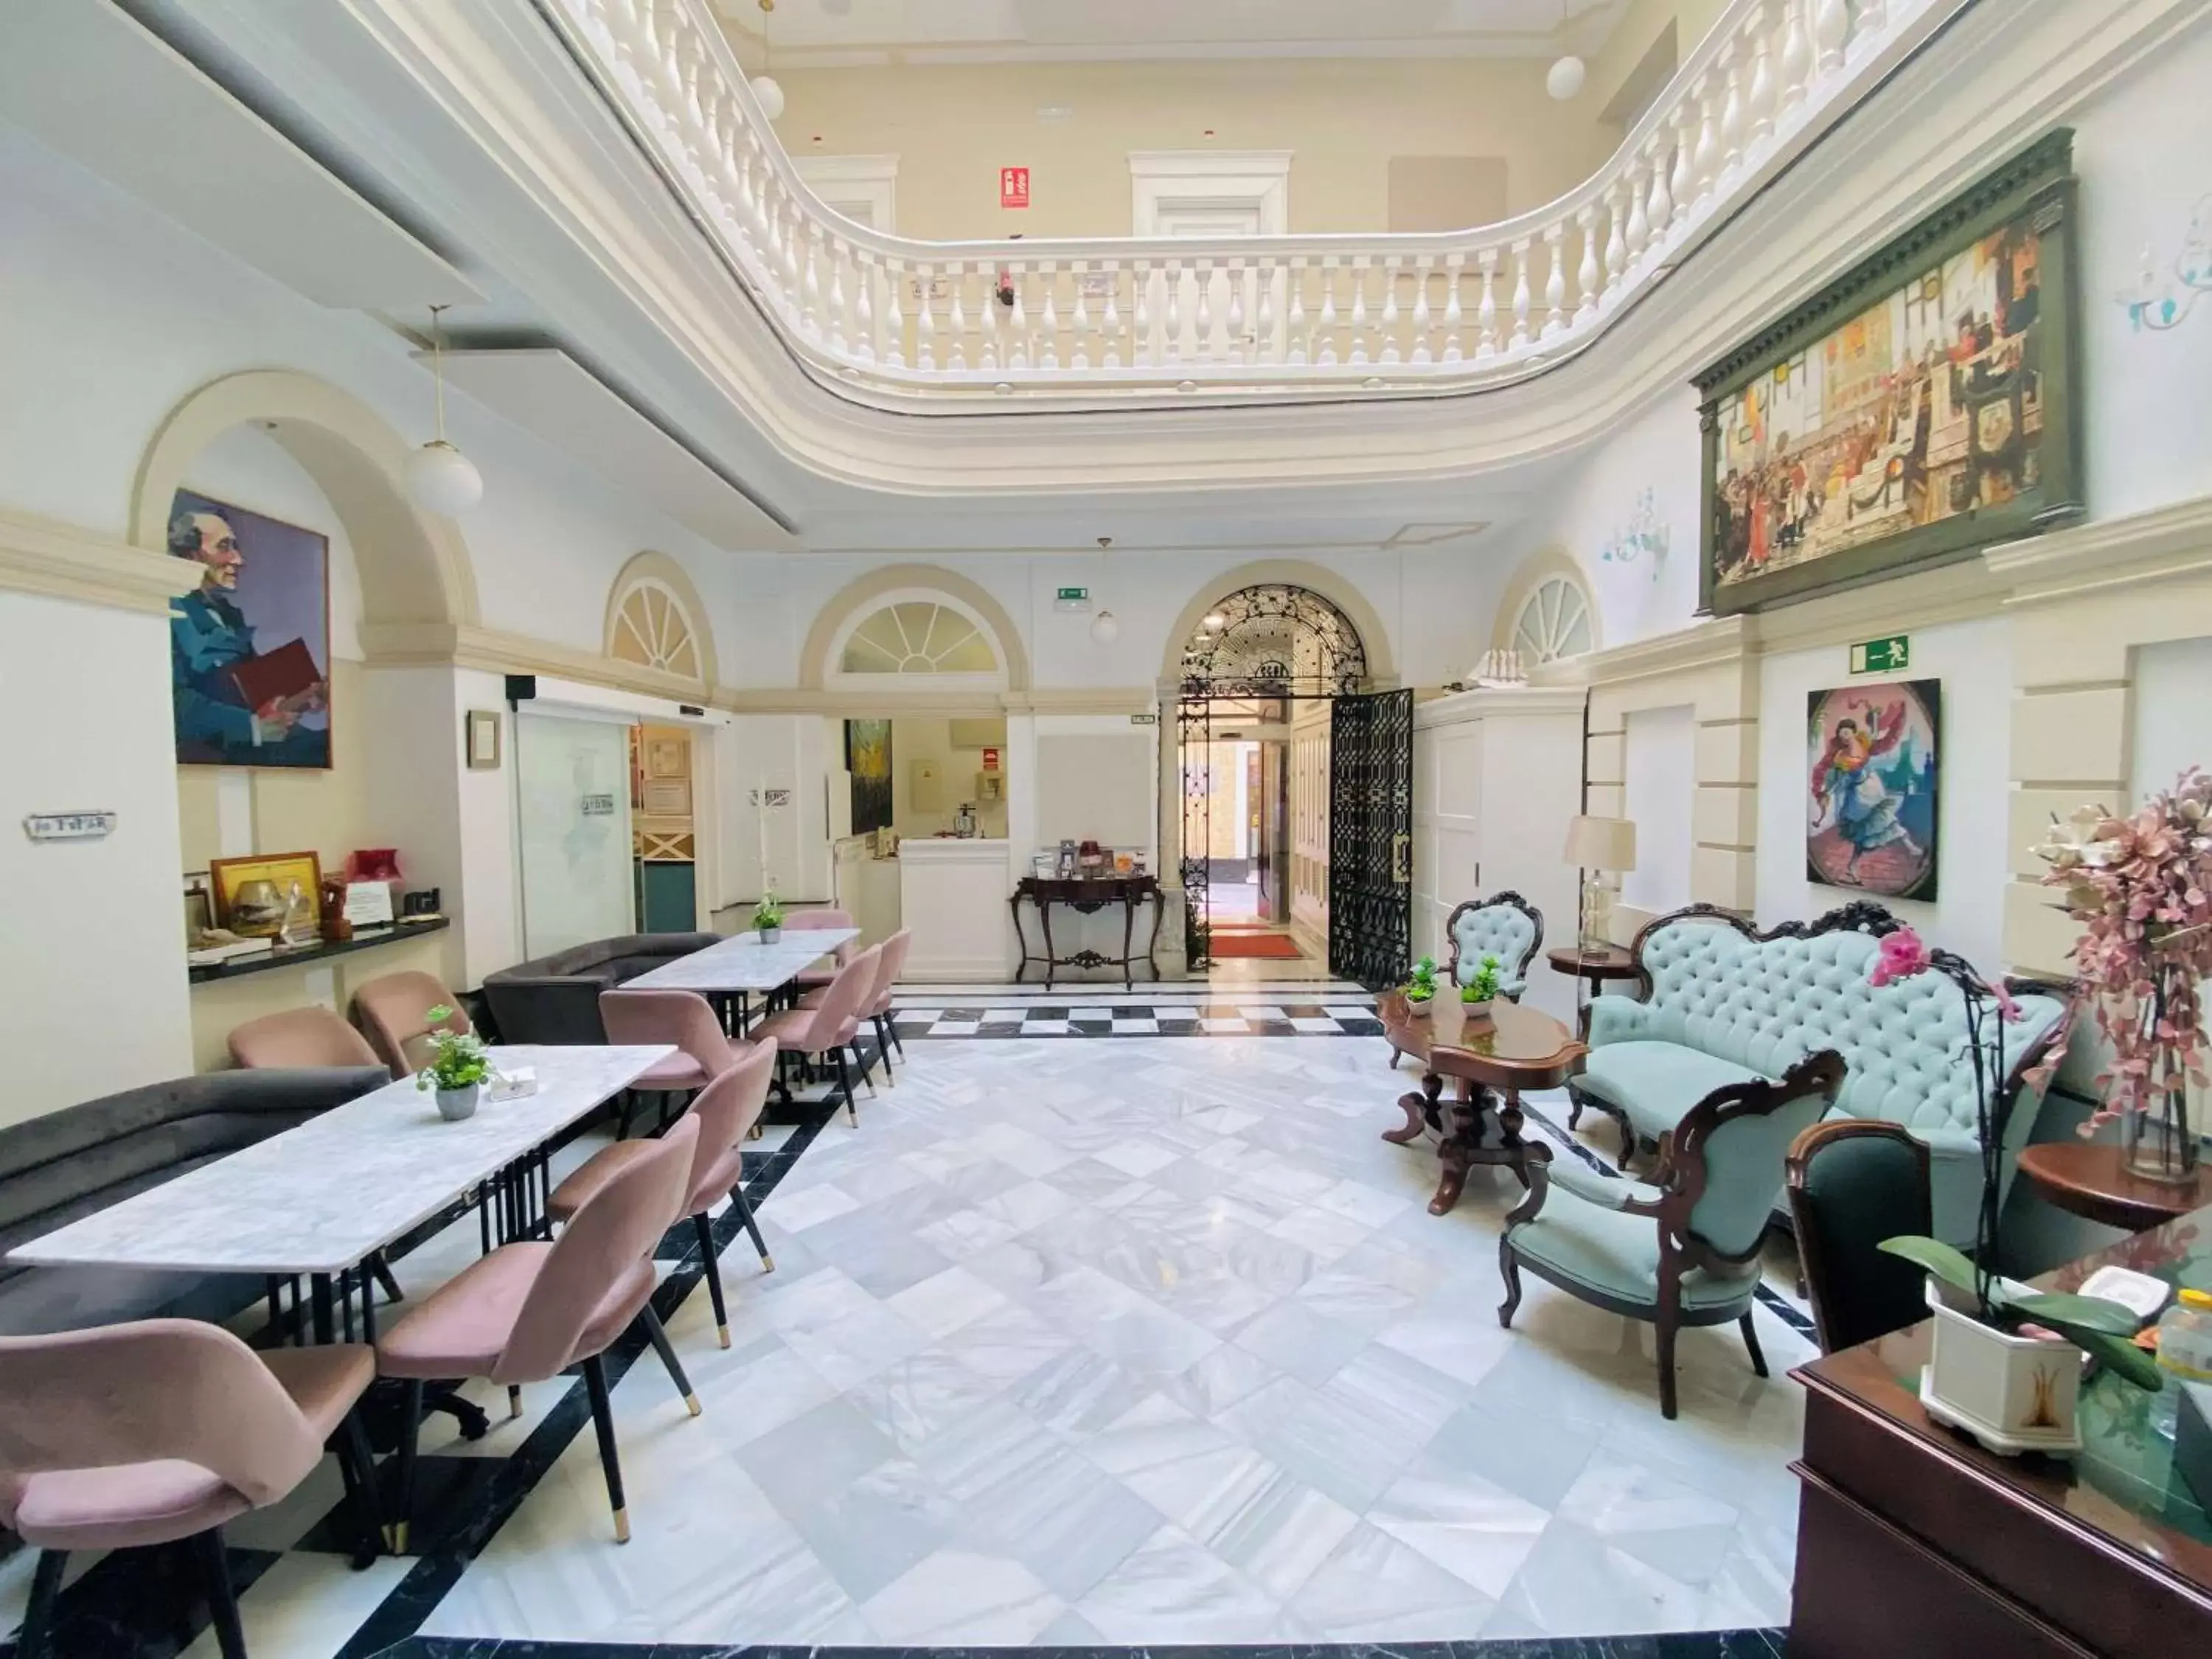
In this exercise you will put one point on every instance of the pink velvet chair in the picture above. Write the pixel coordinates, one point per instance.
(799, 922)
(876, 1009)
(300, 1036)
(531, 1310)
(821, 1031)
(726, 1111)
(682, 1017)
(393, 1012)
(162, 1429)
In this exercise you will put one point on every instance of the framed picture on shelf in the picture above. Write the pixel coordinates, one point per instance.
(260, 896)
(199, 905)
(1920, 408)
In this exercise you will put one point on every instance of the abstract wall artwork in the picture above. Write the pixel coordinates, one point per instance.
(1870, 819)
(1919, 409)
(250, 647)
(868, 759)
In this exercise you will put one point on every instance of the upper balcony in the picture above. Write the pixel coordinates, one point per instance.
(1128, 323)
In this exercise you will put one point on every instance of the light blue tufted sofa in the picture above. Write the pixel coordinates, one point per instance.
(1505, 926)
(1724, 1004)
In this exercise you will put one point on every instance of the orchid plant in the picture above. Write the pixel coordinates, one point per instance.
(2099, 1327)
(2142, 889)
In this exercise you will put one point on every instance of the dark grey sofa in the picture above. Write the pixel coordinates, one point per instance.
(68, 1164)
(555, 998)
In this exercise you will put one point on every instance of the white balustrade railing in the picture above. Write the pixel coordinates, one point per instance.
(1102, 321)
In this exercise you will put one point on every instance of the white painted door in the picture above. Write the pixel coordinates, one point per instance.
(1219, 344)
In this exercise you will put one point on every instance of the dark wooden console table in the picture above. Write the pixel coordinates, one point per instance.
(1915, 1543)
(1088, 894)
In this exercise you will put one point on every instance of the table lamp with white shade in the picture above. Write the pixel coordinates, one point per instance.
(1601, 848)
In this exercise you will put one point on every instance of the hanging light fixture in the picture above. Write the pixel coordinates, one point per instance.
(1105, 628)
(1564, 78)
(767, 93)
(1212, 621)
(440, 477)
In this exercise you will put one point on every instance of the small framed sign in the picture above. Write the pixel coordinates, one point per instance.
(483, 739)
(368, 903)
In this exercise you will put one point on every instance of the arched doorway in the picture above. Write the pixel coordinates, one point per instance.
(1294, 772)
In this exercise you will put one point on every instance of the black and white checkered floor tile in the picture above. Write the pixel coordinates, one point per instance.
(1123, 1016)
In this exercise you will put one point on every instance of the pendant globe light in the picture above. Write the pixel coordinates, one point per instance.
(767, 93)
(440, 477)
(1105, 627)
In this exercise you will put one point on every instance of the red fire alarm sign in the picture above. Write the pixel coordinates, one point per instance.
(990, 760)
(1014, 188)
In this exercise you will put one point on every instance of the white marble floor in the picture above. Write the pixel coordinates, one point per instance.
(1152, 1341)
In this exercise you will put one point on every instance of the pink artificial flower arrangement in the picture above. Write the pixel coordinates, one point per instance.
(2142, 889)
(1903, 954)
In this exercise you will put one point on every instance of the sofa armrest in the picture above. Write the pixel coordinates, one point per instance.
(1607, 1192)
(1618, 1019)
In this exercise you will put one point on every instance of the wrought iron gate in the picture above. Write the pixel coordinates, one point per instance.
(1193, 740)
(1370, 837)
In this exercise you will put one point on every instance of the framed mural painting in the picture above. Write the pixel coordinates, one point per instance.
(868, 759)
(1871, 823)
(1920, 407)
(250, 647)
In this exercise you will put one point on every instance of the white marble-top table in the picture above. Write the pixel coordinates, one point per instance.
(325, 1196)
(742, 963)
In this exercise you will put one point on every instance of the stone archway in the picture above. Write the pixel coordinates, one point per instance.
(414, 567)
(1366, 622)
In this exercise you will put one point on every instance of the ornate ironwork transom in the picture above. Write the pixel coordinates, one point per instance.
(1273, 641)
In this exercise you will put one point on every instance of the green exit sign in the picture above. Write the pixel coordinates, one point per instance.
(1890, 656)
(1071, 599)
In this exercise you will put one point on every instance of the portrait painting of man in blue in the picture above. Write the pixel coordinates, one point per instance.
(250, 647)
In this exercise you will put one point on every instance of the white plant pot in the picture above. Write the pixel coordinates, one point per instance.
(769, 935)
(2013, 1394)
(455, 1104)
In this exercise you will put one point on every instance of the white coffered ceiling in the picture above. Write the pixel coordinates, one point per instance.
(830, 33)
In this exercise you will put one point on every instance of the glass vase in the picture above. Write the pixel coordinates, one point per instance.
(2161, 1142)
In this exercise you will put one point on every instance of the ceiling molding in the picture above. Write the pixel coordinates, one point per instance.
(59, 560)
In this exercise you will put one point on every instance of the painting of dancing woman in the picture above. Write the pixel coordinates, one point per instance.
(1871, 823)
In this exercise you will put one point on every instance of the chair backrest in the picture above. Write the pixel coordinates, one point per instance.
(1726, 1158)
(394, 1011)
(842, 999)
(1763, 1000)
(300, 1036)
(1853, 1182)
(682, 1017)
(803, 921)
(1505, 926)
(889, 967)
(726, 1109)
(152, 1390)
(615, 1229)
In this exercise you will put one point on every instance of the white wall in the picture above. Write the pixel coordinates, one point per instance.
(1973, 661)
(1096, 776)
(2171, 731)
(1660, 791)
(92, 980)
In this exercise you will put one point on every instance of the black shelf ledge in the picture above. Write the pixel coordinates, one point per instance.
(293, 955)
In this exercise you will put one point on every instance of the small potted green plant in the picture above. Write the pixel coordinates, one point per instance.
(1479, 992)
(1421, 986)
(458, 1066)
(767, 918)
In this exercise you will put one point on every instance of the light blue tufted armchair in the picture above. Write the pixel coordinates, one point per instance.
(1505, 926)
(1726, 1004)
(1682, 1248)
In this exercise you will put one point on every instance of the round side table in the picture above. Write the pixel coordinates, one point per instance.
(2088, 1180)
(1596, 969)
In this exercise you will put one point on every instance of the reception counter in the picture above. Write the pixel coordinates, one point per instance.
(952, 899)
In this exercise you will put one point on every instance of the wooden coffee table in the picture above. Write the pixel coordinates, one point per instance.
(1490, 1062)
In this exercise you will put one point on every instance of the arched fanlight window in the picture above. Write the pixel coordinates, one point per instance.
(918, 636)
(652, 629)
(1554, 622)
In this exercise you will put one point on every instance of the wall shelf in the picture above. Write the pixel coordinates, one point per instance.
(365, 939)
